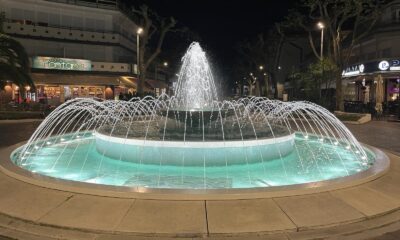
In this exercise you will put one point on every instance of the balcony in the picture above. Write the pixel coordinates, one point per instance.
(42, 30)
(104, 4)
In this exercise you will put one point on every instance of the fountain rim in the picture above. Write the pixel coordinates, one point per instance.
(378, 169)
(195, 144)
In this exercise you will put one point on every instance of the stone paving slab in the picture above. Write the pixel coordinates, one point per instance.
(133, 237)
(27, 201)
(30, 228)
(367, 201)
(387, 185)
(178, 218)
(321, 209)
(89, 212)
(257, 215)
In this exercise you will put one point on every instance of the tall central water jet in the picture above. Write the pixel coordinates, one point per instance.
(195, 88)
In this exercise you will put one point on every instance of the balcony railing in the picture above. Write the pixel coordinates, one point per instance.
(104, 4)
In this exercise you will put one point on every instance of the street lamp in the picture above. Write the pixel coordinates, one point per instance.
(138, 32)
(322, 26)
(165, 64)
(261, 67)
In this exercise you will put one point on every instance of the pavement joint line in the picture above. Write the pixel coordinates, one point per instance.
(341, 200)
(291, 220)
(205, 209)
(58, 205)
(125, 214)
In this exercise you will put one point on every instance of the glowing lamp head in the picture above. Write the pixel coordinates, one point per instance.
(321, 25)
(139, 31)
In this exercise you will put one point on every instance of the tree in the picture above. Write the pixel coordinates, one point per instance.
(14, 61)
(155, 28)
(345, 23)
(264, 50)
(312, 79)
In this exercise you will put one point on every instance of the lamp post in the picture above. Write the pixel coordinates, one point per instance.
(322, 26)
(138, 32)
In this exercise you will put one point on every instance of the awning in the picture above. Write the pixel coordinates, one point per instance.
(82, 79)
(156, 83)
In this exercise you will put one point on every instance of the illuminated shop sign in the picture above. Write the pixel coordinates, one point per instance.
(353, 70)
(61, 64)
(371, 67)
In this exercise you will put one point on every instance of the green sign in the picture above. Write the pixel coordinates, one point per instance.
(61, 64)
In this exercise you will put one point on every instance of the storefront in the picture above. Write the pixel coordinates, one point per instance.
(360, 83)
(60, 79)
(56, 88)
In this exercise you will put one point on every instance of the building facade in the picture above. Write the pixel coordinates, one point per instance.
(77, 48)
(376, 58)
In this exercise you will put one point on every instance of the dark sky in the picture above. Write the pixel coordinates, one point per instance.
(220, 24)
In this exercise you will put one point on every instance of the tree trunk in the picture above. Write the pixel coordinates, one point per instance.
(339, 92)
(275, 83)
(266, 86)
(257, 93)
(142, 81)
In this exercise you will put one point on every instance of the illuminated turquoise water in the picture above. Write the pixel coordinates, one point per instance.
(77, 159)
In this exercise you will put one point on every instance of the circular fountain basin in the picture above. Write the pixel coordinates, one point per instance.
(194, 153)
(72, 160)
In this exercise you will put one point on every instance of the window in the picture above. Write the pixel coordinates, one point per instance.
(42, 18)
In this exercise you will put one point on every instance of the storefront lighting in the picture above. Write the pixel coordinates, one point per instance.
(27, 88)
(16, 88)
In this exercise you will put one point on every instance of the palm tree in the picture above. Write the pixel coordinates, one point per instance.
(14, 61)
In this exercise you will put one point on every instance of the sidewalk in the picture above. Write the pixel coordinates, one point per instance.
(380, 134)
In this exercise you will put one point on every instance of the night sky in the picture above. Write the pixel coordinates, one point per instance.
(220, 24)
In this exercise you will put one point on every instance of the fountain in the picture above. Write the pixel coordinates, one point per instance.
(193, 141)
